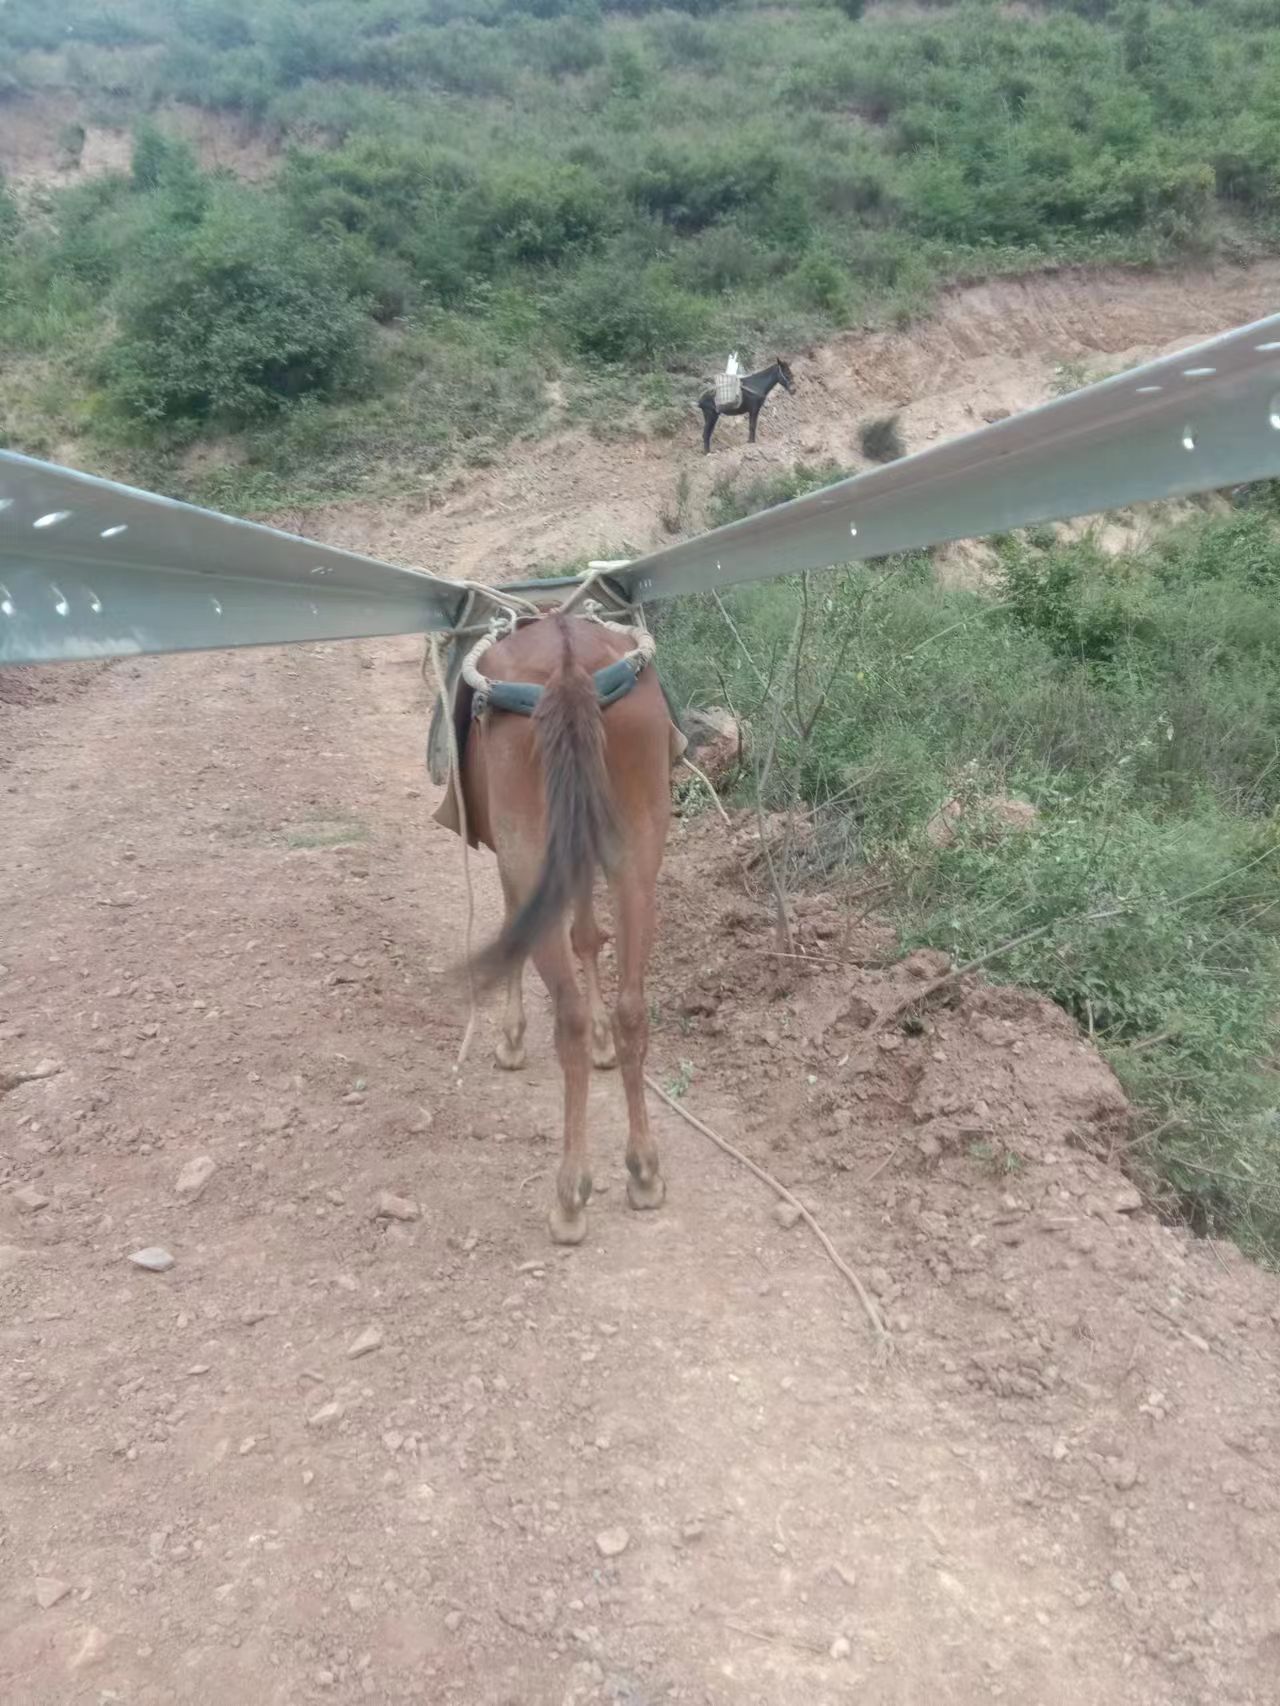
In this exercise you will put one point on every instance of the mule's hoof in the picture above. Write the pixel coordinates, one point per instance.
(510, 1058)
(567, 1228)
(644, 1194)
(604, 1057)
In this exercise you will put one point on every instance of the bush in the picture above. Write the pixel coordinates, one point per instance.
(563, 47)
(620, 313)
(538, 213)
(880, 439)
(394, 208)
(820, 282)
(689, 188)
(720, 259)
(167, 167)
(1081, 602)
(10, 224)
(233, 325)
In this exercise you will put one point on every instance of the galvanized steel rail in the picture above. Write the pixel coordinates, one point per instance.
(92, 569)
(89, 568)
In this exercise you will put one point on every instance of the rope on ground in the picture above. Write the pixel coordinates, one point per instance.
(455, 782)
(869, 1305)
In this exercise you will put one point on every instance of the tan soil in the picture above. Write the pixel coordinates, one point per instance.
(228, 922)
(33, 156)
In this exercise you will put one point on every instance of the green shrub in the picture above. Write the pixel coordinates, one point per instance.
(1081, 602)
(719, 260)
(538, 213)
(620, 313)
(881, 440)
(166, 167)
(690, 188)
(237, 322)
(820, 282)
(561, 47)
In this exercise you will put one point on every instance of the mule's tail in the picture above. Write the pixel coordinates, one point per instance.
(582, 834)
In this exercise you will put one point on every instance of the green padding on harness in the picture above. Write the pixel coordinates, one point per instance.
(521, 698)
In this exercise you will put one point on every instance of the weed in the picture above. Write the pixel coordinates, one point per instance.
(881, 440)
(678, 1084)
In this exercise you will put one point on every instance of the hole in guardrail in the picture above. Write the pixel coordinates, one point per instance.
(6, 503)
(114, 532)
(1198, 372)
(95, 603)
(52, 519)
(1273, 414)
(59, 599)
(853, 531)
(1272, 345)
(1147, 390)
(217, 608)
(320, 569)
(1188, 438)
(6, 602)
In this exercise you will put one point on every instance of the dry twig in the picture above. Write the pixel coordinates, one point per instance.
(780, 1190)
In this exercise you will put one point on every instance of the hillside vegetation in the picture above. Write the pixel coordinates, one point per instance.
(471, 197)
(1133, 703)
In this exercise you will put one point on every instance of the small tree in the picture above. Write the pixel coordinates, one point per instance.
(233, 323)
(880, 439)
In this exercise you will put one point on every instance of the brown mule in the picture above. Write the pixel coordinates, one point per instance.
(558, 796)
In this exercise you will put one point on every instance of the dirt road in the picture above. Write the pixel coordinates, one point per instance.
(331, 1455)
(226, 921)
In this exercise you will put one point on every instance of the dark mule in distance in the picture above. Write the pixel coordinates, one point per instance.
(560, 795)
(755, 388)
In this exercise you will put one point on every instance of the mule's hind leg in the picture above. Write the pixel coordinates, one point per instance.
(633, 902)
(588, 939)
(510, 1051)
(554, 961)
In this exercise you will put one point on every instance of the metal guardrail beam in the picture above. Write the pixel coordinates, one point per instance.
(1206, 418)
(91, 569)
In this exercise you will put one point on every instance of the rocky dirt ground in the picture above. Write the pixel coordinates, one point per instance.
(338, 1454)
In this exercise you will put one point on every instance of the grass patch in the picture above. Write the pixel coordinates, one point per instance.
(304, 836)
(1133, 702)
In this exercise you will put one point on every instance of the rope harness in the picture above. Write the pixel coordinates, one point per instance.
(613, 682)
